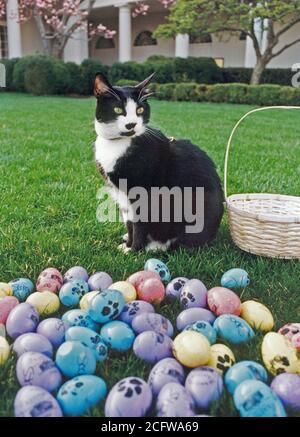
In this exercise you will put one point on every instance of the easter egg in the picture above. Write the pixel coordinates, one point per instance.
(22, 287)
(151, 290)
(292, 332)
(287, 388)
(223, 301)
(204, 328)
(233, 329)
(76, 272)
(191, 349)
(5, 289)
(152, 347)
(49, 280)
(257, 315)
(242, 371)
(46, 303)
(137, 278)
(135, 308)
(279, 355)
(157, 266)
(152, 322)
(6, 306)
(71, 292)
(205, 385)
(191, 315)
(126, 289)
(79, 318)
(2, 330)
(73, 359)
(235, 278)
(54, 330)
(100, 281)
(165, 371)
(193, 294)
(34, 368)
(23, 318)
(174, 401)
(130, 397)
(80, 394)
(221, 358)
(4, 350)
(32, 401)
(86, 299)
(106, 306)
(117, 335)
(33, 342)
(173, 289)
(256, 399)
(90, 339)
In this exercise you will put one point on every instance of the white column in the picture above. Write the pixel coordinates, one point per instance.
(77, 48)
(125, 33)
(13, 30)
(182, 45)
(250, 55)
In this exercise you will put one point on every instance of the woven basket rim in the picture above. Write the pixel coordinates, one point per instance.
(263, 217)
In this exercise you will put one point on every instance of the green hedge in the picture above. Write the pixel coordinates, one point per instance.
(275, 76)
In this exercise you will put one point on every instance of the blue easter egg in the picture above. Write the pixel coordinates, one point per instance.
(204, 328)
(79, 318)
(90, 339)
(71, 292)
(242, 371)
(73, 359)
(106, 306)
(159, 267)
(118, 335)
(233, 329)
(22, 288)
(256, 399)
(79, 394)
(235, 278)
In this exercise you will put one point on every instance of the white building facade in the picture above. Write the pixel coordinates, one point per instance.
(134, 39)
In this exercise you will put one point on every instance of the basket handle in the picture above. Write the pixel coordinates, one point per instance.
(233, 132)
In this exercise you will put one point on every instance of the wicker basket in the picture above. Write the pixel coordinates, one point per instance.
(263, 224)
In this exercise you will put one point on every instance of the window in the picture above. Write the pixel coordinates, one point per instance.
(3, 42)
(145, 38)
(201, 39)
(105, 43)
(243, 36)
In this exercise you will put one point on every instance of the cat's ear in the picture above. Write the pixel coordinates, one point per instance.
(145, 83)
(101, 85)
(144, 92)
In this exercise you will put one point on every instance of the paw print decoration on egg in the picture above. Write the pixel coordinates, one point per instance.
(193, 294)
(106, 306)
(173, 289)
(155, 265)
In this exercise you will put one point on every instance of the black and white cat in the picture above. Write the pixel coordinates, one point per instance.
(128, 149)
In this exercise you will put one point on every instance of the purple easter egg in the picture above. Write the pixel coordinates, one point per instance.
(173, 289)
(152, 322)
(135, 308)
(130, 397)
(287, 388)
(76, 272)
(32, 342)
(100, 281)
(34, 368)
(54, 330)
(205, 385)
(191, 315)
(165, 371)
(174, 401)
(193, 294)
(23, 318)
(7, 304)
(152, 346)
(32, 401)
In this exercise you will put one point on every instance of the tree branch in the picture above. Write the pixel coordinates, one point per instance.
(288, 27)
(287, 46)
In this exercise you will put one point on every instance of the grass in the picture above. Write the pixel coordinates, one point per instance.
(48, 186)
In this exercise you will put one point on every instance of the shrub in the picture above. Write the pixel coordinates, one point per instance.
(74, 77)
(185, 91)
(127, 70)
(18, 81)
(275, 76)
(200, 70)
(165, 91)
(89, 68)
(39, 77)
(126, 82)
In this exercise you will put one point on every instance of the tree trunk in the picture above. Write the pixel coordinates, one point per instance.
(56, 50)
(258, 70)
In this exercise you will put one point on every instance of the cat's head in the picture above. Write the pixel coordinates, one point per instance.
(122, 112)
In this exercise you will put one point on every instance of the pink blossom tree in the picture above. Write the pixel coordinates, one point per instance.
(142, 8)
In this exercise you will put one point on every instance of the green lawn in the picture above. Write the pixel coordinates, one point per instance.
(48, 186)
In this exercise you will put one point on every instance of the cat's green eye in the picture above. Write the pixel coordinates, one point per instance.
(140, 110)
(118, 110)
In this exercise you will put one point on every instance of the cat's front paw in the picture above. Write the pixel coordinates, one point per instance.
(123, 248)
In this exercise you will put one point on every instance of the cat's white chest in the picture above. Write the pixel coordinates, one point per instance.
(107, 152)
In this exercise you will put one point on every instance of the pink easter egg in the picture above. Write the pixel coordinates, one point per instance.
(49, 280)
(292, 332)
(151, 290)
(7, 304)
(223, 301)
(137, 278)
(296, 341)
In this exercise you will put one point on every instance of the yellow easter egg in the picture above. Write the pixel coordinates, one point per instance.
(86, 299)
(279, 355)
(5, 289)
(126, 289)
(191, 349)
(45, 302)
(4, 350)
(221, 358)
(257, 315)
